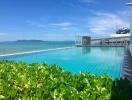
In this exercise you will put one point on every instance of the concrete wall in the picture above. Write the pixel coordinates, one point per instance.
(86, 40)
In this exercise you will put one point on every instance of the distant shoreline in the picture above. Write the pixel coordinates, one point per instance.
(34, 41)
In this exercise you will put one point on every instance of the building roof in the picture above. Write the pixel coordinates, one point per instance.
(120, 35)
(110, 37)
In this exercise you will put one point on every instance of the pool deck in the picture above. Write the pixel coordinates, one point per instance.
(29, 52)
(126, 70)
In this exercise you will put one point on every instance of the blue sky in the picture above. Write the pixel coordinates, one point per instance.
(61, 19)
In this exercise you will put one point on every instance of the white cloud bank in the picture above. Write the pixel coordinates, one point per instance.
(106, 23)
(63, 25)
(3, 34)
(86, 1)
(39, 25)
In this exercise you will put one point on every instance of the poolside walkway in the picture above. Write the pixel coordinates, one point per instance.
(126, 71)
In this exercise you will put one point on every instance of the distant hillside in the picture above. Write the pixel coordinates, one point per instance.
(30, 41)
(37, 41)
(40, 41)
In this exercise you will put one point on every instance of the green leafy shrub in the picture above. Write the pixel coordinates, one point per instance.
(41, 81)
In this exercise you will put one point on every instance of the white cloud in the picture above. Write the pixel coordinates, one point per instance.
(3, 34)
(56, 37)
(106, 23)
(45, 37)
(124, 12)
(65, 28)
(62, 24)
(36, 24)
(86, 1)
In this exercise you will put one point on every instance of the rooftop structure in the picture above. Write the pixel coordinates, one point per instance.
(83, 40)
(114, 39)
(120, 35)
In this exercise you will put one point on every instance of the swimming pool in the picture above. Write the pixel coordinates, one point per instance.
(95, 59)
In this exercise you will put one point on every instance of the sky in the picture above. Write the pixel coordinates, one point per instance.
(61, 20)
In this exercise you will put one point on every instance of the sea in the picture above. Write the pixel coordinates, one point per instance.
(31, 45)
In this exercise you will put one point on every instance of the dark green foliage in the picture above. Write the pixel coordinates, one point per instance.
(122, 90)
(123, 31)
(49, 82)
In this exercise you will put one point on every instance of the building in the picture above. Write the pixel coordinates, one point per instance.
(115, 39)
(83, 40)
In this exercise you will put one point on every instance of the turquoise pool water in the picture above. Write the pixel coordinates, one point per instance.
(96, 60)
